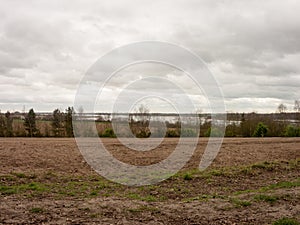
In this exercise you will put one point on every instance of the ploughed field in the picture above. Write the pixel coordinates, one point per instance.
(252, 181)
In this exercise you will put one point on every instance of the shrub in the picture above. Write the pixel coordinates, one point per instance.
(158, 133)
(143, 134)
(172, 133)
(188, 132)
(108, 133)
(213, 132)
(261, 130)
(291, 131)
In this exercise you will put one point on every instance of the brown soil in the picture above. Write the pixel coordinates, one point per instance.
(226, 193)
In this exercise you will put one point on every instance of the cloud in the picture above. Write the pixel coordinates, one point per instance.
(251, 47)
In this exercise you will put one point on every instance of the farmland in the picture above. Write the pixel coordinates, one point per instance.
(252, 181)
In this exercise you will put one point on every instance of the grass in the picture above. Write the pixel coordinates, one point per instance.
(94, 193)
(22, 175)
(177, 187)
(144, 208)
(221, 184)
(279, 185)
(50, 183)
(240, 203)
(266, 198)
(19, 175)
(17, 189)
(187, 176)
(286, 221)
(284, 184)
(36, 210)
(265, 165)
(147, 198)
(205, 197)
(235, 201)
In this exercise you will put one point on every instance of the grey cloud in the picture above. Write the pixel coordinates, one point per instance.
(253, 47)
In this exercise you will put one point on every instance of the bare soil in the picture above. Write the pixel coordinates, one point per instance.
(252, 181)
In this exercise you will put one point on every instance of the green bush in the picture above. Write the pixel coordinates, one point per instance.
(261, 130)
(291, 131)
(172, 133)
(109, 133)
(143, 134)
(158, 133)
(213, 132)
(188, 132)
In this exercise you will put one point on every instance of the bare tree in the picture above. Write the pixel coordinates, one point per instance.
(282, 108)
(143, 114)
(80, 112)
(297, 106)
(142, 117)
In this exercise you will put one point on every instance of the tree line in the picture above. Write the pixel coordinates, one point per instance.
(28, 125)
(59, 124)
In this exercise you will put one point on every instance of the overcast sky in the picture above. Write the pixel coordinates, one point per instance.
(251, 47)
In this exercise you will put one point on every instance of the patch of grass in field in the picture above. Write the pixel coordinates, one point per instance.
(178, 186)
(235, 201)
(244, 191)
(19, 175)
(94, 193)
(49, 175)
(95, 215)
(53, 184)
(253, 169)
(14, 175)
(147, 198)
(205, 197)
(280, 185)
(22, 188)
(217, 172)
(266, 198)
(293, 164)
(187, 176)
(265, 165)
(85, 209)
(240, 203)
(144, 208)
(80, 188)
(210, 175)
(181, 174)
(257, 168)
(36, 210)
(7, 178)
(286, 221)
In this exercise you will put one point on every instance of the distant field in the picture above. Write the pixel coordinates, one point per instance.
(252, 181)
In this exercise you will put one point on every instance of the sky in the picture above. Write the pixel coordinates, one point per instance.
(251, 48)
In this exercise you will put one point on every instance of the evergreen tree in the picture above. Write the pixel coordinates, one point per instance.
(30, 123)
(9, 122)
(261, 130)
(292, 131)
(2, 126)
(57, 123)
(69, 122)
